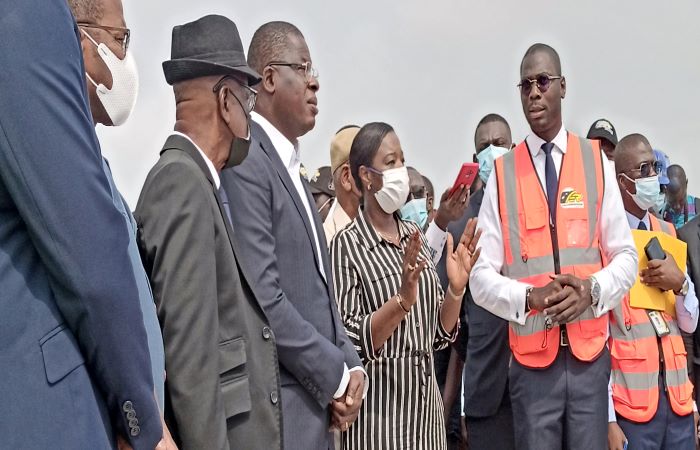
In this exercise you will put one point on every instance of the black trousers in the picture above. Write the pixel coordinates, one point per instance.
(562, 406)
(493, 432)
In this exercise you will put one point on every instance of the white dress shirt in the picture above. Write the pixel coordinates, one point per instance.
(289, 154)
(436, 238)
(210, 165)
(687, 310)
(505, 297)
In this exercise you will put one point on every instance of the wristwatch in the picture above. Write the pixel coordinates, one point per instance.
(595, 291)
(684, 289)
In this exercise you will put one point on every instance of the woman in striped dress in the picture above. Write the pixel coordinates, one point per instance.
(391, 303)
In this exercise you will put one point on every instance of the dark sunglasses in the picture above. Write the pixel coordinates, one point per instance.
(645, 169)
(543, 82)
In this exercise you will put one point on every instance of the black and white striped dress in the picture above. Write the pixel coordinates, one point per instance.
(403, 408)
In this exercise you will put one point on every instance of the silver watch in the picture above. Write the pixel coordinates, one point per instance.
(684, 289)
(595, 291)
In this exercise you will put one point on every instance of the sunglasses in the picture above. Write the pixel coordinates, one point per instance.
(543, 82)
(647, 168)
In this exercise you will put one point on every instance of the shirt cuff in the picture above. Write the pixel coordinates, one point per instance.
(604, 302)
(436, 238)
(343, 387)
(518, 292)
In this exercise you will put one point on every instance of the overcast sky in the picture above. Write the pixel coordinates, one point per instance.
(432, 69)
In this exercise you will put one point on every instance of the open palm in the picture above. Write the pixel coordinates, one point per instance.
(460, 260)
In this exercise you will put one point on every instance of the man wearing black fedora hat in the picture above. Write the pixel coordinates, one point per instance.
(282, 236)
(222, 386)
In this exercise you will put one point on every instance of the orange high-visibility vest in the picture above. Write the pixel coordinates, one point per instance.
(635, 359)
(534, 249)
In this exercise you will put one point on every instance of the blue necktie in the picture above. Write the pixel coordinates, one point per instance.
(550, 175)
(642, 226)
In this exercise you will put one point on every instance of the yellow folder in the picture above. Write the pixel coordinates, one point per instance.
(642, 296)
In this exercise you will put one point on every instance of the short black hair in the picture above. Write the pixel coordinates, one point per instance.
(625, 147)
(364, 147)
(539, 47)
(269, 43)
(490, 118)
(87, 10)
(429, 189)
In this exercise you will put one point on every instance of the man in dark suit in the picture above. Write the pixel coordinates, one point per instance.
(73, 350)
(690, 234)
(483, 341)
(222, 388)
(285, 250)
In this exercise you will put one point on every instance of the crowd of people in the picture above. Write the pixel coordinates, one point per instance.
(248, 304)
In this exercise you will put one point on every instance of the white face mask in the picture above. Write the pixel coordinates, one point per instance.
(395, 188)
(647, 191)
(121, 99)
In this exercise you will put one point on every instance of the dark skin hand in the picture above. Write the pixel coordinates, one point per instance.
(663, 274)
(571, 301)
(346, 409)
(538, 296)
(452, 207)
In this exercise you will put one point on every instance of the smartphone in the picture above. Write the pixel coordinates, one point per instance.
(466, 176)
(654, 250)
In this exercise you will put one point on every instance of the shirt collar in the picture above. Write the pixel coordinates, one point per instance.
(535, 142)
(634, 221)
(372, 238)
(207, 161)
(288, 152)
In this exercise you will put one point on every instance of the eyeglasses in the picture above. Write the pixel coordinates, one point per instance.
(309, 70)
(121, 35)
(543, 82)
(645, 168)
(251, 94)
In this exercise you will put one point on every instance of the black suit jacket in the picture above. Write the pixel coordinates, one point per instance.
(690, 234)
(222, 385)
(273, 229)
(487, 350)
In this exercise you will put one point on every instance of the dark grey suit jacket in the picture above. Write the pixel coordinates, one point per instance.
(690, 234)
(273, 230)
(222, 385)
(487, 350)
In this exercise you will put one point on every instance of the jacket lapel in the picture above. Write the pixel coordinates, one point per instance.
(283, 173)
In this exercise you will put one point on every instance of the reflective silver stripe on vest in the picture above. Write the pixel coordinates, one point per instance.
(589, 172)
(666, 227)
(511, 196)
(643, 381)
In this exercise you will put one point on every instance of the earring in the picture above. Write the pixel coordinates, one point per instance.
(369, 187)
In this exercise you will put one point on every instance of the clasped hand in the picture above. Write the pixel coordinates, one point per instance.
(344, 410)
(563, 299)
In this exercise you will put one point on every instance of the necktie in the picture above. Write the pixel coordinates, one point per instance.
(641, 226)
(224, 201)
(550, 175)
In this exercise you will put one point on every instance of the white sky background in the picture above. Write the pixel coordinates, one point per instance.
(432, 69)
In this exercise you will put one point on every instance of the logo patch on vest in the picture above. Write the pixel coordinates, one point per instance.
(571, 198)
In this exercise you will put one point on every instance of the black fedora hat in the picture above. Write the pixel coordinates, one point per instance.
(208, 46)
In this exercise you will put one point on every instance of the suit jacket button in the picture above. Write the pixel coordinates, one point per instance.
(131, 415)
(135, 431)
(133, 423)
(266, 333)
(273, 397)
(127, 406)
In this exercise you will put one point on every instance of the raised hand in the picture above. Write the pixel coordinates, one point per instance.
(452, 207)
(412, 267)
(460, 261)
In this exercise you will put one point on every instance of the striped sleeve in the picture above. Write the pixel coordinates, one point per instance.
(353, 312)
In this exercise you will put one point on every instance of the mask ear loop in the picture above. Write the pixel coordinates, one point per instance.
(96, 45)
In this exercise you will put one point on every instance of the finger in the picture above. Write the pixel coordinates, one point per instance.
(558, 297)
(353, 388)
(450, 245)
(475, 256)
(445, 195)
(475, 241)
(655, 263)
(566, 308)
(569, 280)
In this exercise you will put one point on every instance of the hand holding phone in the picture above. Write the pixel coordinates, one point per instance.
(466, 176)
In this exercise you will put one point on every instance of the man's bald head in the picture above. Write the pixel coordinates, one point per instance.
(631, 151)
(270, 43)
(87, 10)
(676, 171)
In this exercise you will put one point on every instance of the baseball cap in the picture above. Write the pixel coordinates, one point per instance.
(322, 182)
(603, 129)
(340, 146)
(665, 162)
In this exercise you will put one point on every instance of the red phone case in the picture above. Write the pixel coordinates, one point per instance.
(466, 176)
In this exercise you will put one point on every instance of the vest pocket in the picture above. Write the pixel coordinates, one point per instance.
(631, 375)
(680, 356)
(577, 233)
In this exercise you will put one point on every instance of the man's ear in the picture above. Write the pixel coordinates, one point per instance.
(268, 80)
(346, 178)
(563, 87)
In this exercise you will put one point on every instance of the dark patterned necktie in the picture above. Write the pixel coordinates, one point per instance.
(642, 226)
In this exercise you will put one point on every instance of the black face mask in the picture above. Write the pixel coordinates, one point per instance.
(239, 151)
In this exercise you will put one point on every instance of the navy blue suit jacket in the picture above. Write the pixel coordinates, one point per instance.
(74, 364)
(274, 234)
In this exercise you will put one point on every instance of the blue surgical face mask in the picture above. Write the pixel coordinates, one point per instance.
(486, 158)
(416, 211)
(660, 202)
(648, 189)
